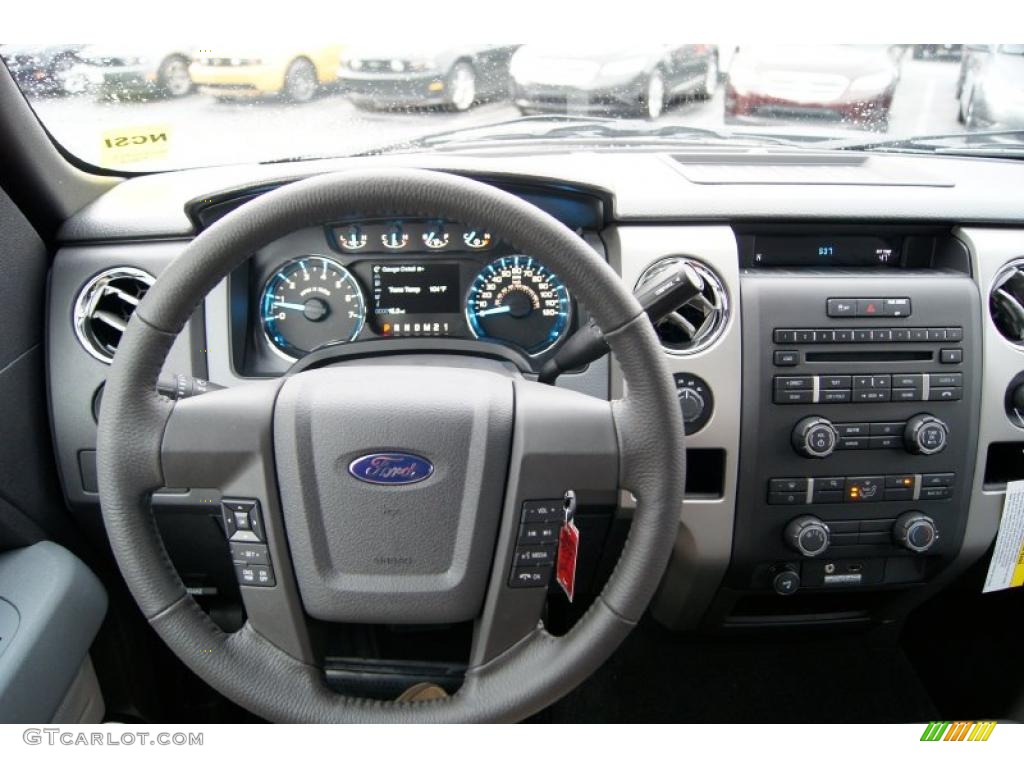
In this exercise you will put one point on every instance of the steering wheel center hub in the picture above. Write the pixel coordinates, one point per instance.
(392, 517)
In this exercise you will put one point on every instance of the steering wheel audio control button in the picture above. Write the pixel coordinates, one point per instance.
(543, 511)
(532, 556)
(242, 520)
(538, 533)
(539, 576)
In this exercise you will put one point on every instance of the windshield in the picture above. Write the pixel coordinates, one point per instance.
(131, 107)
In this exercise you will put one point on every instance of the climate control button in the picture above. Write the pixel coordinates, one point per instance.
(915, 531)
(807, 534)
(815, 437)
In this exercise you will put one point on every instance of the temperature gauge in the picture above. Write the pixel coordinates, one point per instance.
(395, 238)
(352, 238)
(476, 238)
(435, 237)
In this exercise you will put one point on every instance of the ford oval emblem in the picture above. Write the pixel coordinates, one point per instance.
(391, 468)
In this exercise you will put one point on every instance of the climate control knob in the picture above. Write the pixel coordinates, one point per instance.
(925, 434)
(815, 437)
(807, 535)
(915, 531)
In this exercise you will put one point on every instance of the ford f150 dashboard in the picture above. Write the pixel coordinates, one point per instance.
(850, 374)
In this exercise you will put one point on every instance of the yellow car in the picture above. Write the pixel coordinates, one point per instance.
(296, 74)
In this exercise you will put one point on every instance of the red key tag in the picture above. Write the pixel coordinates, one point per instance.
(568, 548)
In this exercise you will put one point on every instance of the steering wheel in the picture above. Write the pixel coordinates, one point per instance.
(346, 550)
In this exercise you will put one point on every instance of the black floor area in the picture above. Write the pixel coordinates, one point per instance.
(661, 677)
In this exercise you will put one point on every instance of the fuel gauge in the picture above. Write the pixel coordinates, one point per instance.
(435, 236)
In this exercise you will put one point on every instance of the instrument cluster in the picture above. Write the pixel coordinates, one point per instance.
(384, 279)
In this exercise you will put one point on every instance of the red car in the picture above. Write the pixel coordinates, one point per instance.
(851, 84)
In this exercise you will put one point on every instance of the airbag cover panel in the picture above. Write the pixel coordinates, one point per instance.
(396, 553)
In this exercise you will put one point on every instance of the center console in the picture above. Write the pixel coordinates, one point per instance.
(861, 383)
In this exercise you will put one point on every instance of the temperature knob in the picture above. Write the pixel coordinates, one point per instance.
(815, 437)
(915, 531)
(807, 535)
(925, 434)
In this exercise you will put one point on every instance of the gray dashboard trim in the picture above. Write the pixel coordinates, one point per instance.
(645, 188)
(704, 541)
(990, 250)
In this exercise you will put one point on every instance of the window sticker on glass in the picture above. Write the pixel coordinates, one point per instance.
(124, 146)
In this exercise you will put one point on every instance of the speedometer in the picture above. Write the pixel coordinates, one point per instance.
(311, 301)
(517, 300)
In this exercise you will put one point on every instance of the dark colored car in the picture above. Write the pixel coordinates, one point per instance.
(457, 78)
(992, 95)
(143, 70)
(37, 69)
(630, 80)
(950, 51)
(851, 84)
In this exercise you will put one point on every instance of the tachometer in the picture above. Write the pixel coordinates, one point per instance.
(517, 300)
(311, 301)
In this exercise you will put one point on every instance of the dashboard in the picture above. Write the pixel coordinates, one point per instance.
(398, 278)
(851, 375)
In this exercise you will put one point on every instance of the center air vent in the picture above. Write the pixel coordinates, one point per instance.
(1006, 302)
(104, 306)
(697, 324)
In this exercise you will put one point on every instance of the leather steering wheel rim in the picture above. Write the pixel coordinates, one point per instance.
(245, 666)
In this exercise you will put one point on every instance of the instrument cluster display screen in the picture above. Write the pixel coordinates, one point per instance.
(418, 294)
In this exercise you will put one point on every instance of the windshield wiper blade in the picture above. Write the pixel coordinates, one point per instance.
(568, 127)
(945, 142)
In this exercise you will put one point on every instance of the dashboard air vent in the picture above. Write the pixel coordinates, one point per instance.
(1006, 302)
(697, 324)
(104, 306)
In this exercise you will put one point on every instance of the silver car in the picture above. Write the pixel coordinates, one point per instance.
(992, 95)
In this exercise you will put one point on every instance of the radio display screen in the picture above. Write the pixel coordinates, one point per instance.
(413, 288)
(824, 251)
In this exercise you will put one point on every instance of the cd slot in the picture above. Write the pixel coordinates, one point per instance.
(870, 356)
